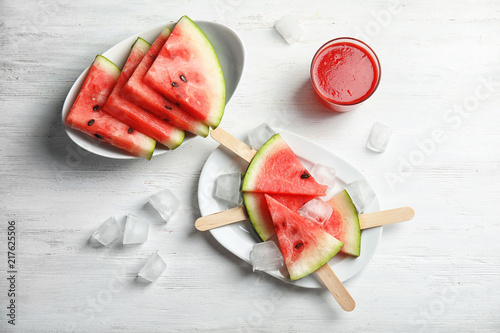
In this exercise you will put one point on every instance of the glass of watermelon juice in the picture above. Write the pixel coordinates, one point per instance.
(344, 73)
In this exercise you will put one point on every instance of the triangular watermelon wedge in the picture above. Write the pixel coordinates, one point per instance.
(136, 91)
(344, 223)
(86, 114)
(187, 72)
(276, 169)
(135, 116)
(304, 245)
(258, 211)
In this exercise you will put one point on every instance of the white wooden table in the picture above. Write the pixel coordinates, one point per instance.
(439, 92)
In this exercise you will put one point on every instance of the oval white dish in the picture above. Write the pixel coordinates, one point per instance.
(227, 45)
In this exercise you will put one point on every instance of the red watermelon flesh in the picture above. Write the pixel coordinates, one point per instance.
(135, 116)
(344, 223)
(276, 169)
(86, 114)
(141, 94)
(258, 211)
(304, 245)
(187, 72)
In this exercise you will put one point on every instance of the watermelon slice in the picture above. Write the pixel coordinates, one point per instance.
(276, 169)
(135, 116)
(86, 114)
(136, 91)
(304, 244)
(187, 71)
(258, 212)
(344, 223)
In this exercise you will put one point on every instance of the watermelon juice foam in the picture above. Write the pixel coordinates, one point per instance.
(344, 73)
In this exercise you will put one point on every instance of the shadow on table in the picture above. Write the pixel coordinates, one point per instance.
(60, 151)
(306, 102)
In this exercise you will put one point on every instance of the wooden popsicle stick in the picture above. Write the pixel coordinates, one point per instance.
(383, 217)
(220, 219)
(336, 288)
(233, 144)
(366, 221)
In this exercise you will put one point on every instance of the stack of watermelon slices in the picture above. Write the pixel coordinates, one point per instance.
(164, 89)
(275, 186)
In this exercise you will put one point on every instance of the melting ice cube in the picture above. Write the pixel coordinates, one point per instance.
(266, 256)
(289, 29)
(136, 230)
(165, 202)
(323, 174)
(379, 138)
(153, 268)
(316, 210)
(259, 135)
(361, 194)
(227, 188)
(108, 231)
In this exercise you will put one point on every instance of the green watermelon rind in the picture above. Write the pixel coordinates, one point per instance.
(253, 169)
(323, 249)
(107, 65)
(139, 41)
(352, 230)
(251, 205)
(255, 216)
(327, 243)
(215, 120)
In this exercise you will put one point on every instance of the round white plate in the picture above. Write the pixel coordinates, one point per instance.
(227, 45)
(239, 237)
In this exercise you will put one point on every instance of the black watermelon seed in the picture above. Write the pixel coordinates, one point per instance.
(177, 104)
(96, 107)
(168, 107)
(305, 175)
(183, 78)
(175, 84)
(283, 224)
(298, 246)
(98, 136)
(130, 130)
(166, 119)
(91, 122)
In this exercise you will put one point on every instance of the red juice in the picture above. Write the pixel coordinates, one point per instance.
(344, 73)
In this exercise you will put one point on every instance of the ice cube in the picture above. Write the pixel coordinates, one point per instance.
(108, 231)
(260, 135)
(266, 256)
(323, 174)
(153, 267)
(361, 194)
(289, 29)
(165, 202)
(379, 138)
(227, 188)
(136, 230)
(316, 210)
